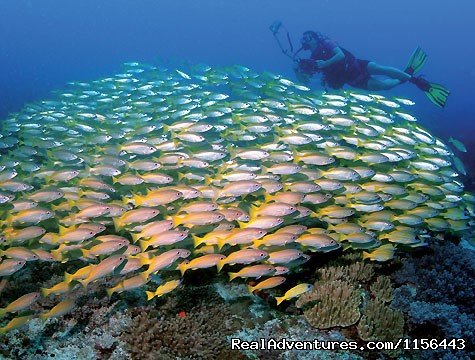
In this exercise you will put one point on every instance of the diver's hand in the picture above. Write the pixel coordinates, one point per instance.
(307, 66)
(320, 64)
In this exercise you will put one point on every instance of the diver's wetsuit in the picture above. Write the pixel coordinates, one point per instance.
(350, 70)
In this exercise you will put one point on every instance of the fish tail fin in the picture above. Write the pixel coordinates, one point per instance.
(137, 199)
(346, 247)
(242, 224)
(127, 200)
(297, 158)
(45, 292)
(221, 243)
(117, 224)
(253, 211)
(135, 237)
(62, 230)
(56, 254)
(220, 265)
(182, 267)
(313, 214)
(250, 289)
(177, 220)
(84, 282)
(209, 180)
(2, 312)
(7, 222)
(85, 253)
(197, 241)
(144, 260)
(143, 244)
(232, 152)
(232, 276)
(110, 291)
(256, 244)
(267, 198)
(366, 255)
(68, 277)
(280, 299)
(150, 295)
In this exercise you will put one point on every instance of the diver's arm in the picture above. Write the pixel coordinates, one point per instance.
(338, 55)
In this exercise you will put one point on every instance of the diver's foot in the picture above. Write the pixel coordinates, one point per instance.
(420, 82)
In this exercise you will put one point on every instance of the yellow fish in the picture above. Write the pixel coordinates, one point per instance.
(267, 284)
(163, 289)
(382, 253)
(294, 292)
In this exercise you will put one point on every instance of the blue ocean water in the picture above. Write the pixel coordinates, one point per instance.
(46, 44)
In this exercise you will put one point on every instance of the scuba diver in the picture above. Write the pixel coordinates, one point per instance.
(339, 67)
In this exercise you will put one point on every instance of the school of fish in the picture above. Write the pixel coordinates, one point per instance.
(163, 172)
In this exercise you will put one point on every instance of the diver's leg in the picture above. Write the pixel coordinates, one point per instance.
(389, 71)
(385, 84)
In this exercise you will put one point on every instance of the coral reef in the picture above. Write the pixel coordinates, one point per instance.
(444, 274)
(380, 323)
(352, 294)
(436, 294)
(382, 288)
(91, 332)
(355, 272)
(292, 328)
(192, 325)
(331, 304)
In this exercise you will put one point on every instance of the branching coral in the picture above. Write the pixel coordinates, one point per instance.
(382, 288)
(380, 322)
(193, 328)
(445, 275)
(355, 272)
(331, 303)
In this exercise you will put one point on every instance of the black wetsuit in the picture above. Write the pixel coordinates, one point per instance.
(350, 70)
